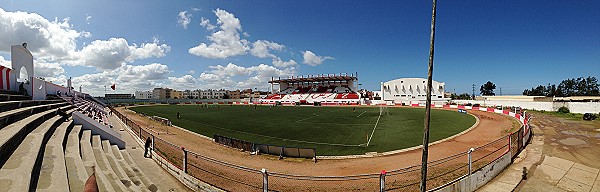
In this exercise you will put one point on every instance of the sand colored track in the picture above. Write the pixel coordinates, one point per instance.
(491, 127)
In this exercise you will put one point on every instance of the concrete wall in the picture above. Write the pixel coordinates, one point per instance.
(38, 89)
(98, 129)
(481, 177)
(582, 107)
(574, 107)
(51, 88)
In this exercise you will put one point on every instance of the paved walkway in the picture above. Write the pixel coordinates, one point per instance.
(556, 174)
(163, 180)
(550, 173)
(510, 178)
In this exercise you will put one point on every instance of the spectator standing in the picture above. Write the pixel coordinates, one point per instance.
(147, 147)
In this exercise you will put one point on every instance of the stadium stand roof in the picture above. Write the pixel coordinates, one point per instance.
(316, 78)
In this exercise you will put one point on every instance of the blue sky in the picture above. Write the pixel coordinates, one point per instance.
(515, 44)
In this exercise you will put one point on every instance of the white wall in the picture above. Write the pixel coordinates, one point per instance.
(51, 88)
(584, 107)
(574, 107)
(98, 129)
(406, 90)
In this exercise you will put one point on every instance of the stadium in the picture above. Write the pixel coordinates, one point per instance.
(316, 133)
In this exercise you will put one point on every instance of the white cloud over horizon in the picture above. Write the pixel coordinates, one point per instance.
(233, 76)
(54, 44)
(312, 59)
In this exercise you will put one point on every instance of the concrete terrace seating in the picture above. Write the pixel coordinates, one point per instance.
(17, 170)
(7, 117)
(12, 96)
(43, 150)
(10, 105)
(13, 134)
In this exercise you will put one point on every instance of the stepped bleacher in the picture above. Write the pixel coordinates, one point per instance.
(42, 149)
(310, 95)
(323, 89)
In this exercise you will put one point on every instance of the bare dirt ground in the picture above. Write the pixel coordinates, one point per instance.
(574, 140)
(565, 138)
(491, 127)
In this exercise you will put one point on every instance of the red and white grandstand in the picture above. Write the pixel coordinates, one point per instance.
(327, 89)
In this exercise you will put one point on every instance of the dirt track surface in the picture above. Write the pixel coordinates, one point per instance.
(491, 127)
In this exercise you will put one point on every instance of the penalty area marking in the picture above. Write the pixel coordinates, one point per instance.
(373, 132)
(361, 113)
(315, 115)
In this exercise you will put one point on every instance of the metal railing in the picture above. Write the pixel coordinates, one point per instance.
(231, 177)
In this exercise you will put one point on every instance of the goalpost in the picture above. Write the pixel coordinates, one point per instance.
(384, 110)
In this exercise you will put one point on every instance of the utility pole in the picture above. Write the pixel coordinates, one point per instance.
(500, 89)
(473, 92)
(423, 185)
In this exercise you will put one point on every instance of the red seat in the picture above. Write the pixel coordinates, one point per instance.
(346, 96)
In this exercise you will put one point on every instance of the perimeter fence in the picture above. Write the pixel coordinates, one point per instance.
(231, 177)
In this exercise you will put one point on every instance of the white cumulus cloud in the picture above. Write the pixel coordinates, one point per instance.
(312, 59)
(128, 78)
(204, 22)
(261, 48)
(184, 19)
(43, 69)
(115, 52)
(225, 42)
(46, 39)
(277, 62)
(184, 82)
(233, 76)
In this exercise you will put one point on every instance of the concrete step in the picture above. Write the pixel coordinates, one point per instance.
(136, 176)
(11, 97)
(76, 173)
(12, 135)
(2, 91)
(53, 176)
(10, 105)
(105, 166)
(125, 155)
(118, 169)
(8, 117)
(21, 170)
(89, 161)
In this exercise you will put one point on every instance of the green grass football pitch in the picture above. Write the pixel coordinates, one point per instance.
(331, 130)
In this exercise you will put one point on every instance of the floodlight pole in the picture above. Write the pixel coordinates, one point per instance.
(423, 185)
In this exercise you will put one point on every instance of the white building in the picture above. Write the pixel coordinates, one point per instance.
(143, 95)
(211, 94)
(192, 94)
(412, 90)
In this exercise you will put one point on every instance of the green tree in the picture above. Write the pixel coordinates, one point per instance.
(581, 86)
(487, 89)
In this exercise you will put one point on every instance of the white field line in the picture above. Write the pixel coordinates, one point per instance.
(361, 113)
(373, 130)
(315, 115)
